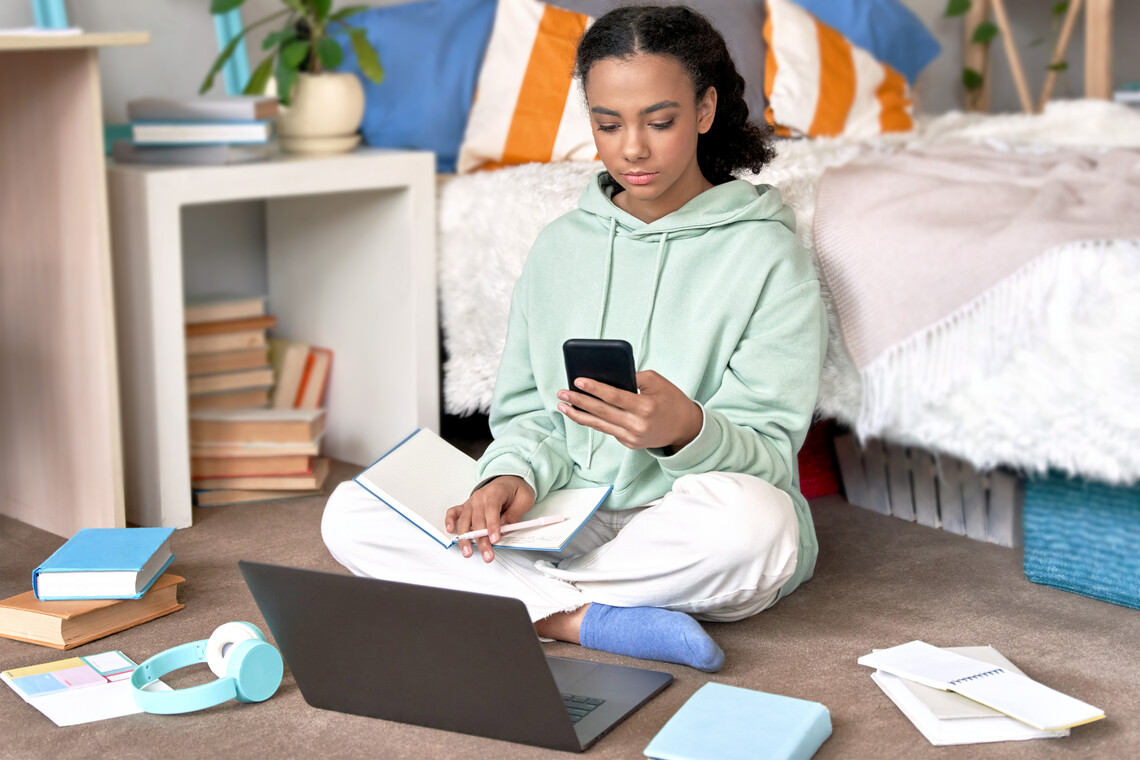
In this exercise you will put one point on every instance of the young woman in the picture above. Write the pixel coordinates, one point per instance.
(702, 274)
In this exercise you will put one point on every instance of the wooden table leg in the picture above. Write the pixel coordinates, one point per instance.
(977, 57)
(1059, 52)
(1098, 49)
(1013, 56)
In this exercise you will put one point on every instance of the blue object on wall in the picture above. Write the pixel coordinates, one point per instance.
(236, 71)
(886, 29)
(50, 14)
(431, 51)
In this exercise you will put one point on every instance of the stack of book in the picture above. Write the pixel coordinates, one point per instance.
(970, 695)
(227, 352)
(243, 455)
(267, 443)
(226, 130)
(101, 581)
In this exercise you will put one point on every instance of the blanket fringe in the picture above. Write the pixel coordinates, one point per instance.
(977, 339)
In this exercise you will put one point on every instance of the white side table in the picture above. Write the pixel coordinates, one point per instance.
(351, 267)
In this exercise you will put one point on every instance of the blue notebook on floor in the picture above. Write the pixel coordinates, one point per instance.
(731, 723)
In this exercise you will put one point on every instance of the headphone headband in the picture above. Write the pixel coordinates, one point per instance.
(249, 670)
(180, 700)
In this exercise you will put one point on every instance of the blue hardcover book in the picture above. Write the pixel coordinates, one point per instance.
(104, 563)
(729, 722)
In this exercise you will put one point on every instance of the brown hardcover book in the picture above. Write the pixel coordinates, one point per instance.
(315, 380)
(255, 449)
(206, 344)
(239, 399)
(288, 358)
(262, 377)
(239, 496)
(221, 308)
(227, 361)
(67, 624)
(231, 326)
(250, 466)
(309, 482)
(256, 425)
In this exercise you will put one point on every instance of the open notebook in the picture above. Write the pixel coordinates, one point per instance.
(424, 476)
(1014, 694)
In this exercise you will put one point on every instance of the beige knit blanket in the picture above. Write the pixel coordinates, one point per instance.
(933, 255)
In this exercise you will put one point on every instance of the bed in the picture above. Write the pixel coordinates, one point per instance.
(1043, 376)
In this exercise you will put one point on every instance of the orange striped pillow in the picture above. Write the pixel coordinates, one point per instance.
(528, 106)
(818, 84)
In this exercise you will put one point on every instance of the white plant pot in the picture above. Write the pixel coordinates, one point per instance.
(325, 114)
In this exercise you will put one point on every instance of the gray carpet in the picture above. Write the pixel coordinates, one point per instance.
(880, 582)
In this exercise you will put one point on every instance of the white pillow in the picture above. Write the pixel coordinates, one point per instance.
(528, 106)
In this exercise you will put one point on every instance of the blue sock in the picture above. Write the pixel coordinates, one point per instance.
(650, 633)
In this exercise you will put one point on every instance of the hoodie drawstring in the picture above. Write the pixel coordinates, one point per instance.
(643, 341)
(606, 277)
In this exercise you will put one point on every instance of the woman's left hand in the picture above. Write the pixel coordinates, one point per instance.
(661, 416)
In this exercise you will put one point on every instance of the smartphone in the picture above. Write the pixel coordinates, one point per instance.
(607, 361)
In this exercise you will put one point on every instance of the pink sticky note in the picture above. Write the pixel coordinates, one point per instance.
(81, 676)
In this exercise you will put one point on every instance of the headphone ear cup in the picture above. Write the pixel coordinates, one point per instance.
(222, 641)
(256, 668)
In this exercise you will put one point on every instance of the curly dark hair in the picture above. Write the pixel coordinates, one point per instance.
(733, 142)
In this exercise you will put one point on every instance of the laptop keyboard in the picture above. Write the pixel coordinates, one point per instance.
(580, 707)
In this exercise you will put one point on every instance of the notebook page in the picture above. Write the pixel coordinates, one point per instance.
(925, 664)
(575, 504)
(422, 478)
(1027, 700)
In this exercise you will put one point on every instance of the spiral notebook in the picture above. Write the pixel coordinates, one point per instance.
(1016, 695)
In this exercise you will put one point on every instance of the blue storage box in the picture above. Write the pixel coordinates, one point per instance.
(1083, 537)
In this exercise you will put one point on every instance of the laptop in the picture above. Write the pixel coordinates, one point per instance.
(453, 660)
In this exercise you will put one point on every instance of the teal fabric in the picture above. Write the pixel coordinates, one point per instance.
(431, 51)
(717, 297)
(1082, 537)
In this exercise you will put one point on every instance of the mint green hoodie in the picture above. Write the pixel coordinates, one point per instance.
(717, 297)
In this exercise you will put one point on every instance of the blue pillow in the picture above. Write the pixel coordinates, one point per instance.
(431, 51)
(886, 29)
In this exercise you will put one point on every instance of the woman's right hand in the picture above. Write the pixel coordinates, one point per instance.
(501, 501)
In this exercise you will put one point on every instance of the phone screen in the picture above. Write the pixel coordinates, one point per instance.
(605, 360)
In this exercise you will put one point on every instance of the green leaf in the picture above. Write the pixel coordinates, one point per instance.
(1060, 9)
(328, 50)
(299, 7)
(260, 77)
(275, 39)
(286, 77)
(321, 8)
(984, 32)
(972, 80)
(1058, 66)
(224, 6)
(351, 10)
(366, 56)
(957, 7)
(228, 51)
(220, 62)
(293, 54)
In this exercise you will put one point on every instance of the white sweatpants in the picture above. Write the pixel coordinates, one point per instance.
(718, 546)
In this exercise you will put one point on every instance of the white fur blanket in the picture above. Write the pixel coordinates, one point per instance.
(1065, 399)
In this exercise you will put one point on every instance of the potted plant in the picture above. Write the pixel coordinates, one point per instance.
(322, 108)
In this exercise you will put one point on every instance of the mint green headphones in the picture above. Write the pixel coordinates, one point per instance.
(248, 668)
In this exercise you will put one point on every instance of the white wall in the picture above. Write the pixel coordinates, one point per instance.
(183, 46)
